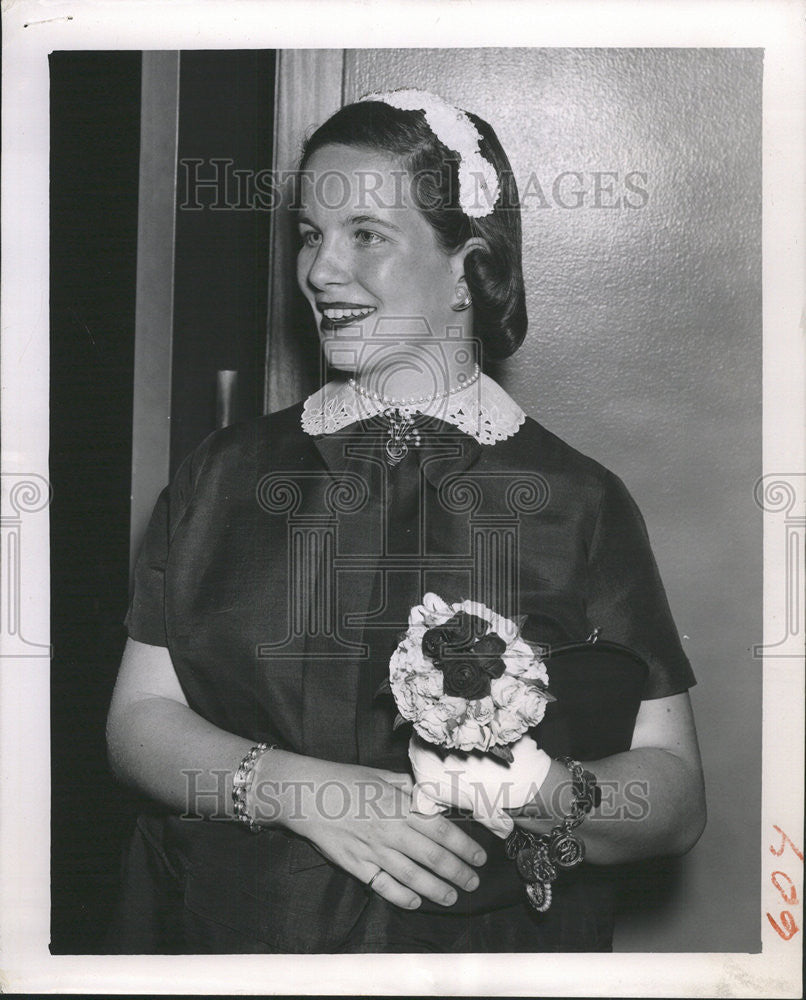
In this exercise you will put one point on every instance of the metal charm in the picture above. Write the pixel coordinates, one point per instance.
(539, 895)
(526, 862)
(566, 851)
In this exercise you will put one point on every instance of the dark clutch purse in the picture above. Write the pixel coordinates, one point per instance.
(599, 687)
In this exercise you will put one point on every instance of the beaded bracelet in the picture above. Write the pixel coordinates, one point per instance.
(540, 859)
(242, 782)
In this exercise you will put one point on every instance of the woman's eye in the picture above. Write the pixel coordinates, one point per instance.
(367, 239)
(310, 238)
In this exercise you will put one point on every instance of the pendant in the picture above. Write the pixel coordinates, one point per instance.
(396, 451)
(402, 432)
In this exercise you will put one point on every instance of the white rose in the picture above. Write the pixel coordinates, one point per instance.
(418, 664)
(408, 658)
(427, 686)
(532, 706)
(470, 736)
(525, 701)
(432, 724)
(531, 673)
(506, 726)
(455, 706)
(406, 697)
(518, 657)
(481, 710)
(504, 689)
(414, 636)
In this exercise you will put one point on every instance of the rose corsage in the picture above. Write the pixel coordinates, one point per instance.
(471, 686)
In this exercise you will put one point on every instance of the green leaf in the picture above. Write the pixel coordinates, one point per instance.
(503, 752)
(399, 721)
(383, 688)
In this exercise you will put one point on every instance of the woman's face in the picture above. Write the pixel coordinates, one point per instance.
(379, 284)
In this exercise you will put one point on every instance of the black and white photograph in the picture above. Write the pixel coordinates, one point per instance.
(390, 462)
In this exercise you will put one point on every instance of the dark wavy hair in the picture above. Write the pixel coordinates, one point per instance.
(494, 276)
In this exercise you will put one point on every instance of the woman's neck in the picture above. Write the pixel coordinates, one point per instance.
(429, 375)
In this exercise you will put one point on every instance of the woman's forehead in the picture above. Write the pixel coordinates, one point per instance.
(354, 179)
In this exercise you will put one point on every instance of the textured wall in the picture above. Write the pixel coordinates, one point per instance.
(644, 351)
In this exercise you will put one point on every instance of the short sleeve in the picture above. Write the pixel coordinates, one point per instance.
(145, 620)
(626, 598)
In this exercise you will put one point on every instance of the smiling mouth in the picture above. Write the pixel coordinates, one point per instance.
(334, 317)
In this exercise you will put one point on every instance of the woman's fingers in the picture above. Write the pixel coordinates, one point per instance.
(406, 856)
(449, 836)
(410, 877)
(441, 863)
(392, 891)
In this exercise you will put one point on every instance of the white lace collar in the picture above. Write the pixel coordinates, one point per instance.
(484, 410)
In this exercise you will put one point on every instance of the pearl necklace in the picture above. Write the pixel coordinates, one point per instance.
(402, 430)
(376, 397)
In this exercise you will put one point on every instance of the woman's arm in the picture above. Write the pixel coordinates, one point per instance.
(161, 746)
(653, 796)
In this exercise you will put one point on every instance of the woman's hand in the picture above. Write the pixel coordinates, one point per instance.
(360, 819)
(480, 783)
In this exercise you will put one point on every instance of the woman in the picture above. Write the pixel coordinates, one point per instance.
(281, 563)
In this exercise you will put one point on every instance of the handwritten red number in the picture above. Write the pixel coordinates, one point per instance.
(790, 897)
(784, 841)
(790, 928)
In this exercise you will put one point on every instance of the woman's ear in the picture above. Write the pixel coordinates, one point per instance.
(458, 256)
(461, 295)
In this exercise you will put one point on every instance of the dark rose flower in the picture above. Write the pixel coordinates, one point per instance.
(490, 645)
(468, 629)
(488, 650)
(435, 640)
(493, 667)
(456, 635)
(463, 677)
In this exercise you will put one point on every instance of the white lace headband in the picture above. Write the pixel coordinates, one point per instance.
(455, 131)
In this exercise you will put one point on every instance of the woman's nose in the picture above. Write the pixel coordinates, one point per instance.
(327, 267)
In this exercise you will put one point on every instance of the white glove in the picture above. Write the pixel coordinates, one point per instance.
(480, 783)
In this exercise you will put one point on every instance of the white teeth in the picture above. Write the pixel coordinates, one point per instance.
(346, 313)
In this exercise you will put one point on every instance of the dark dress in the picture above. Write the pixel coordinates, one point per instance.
(279, 570)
